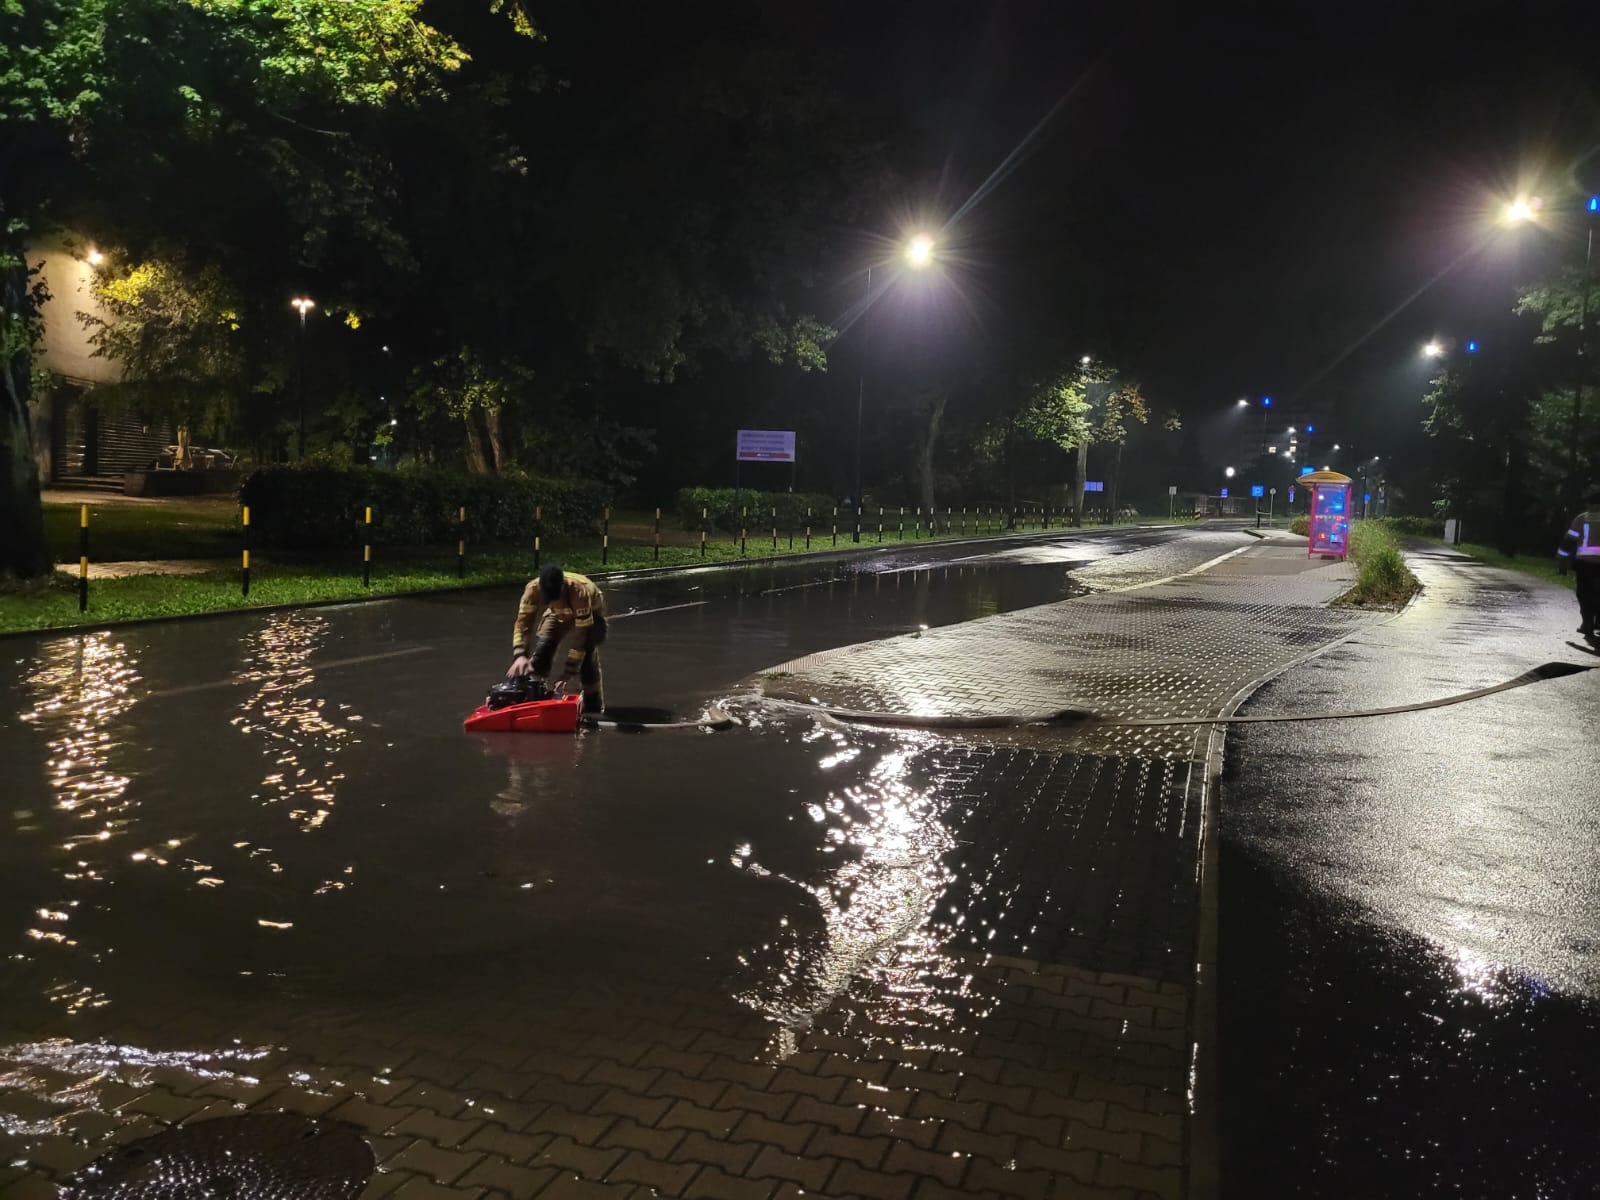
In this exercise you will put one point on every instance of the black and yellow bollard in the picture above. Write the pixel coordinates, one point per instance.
(83, 558)
(605, 535)
(835, 524)
(808, 529)
(538, 533)
(244, 555)
(774, 530)
(900, 533)
(702, 532)
(366, 552)
(656, 552)
(744, 527)
(880, 524)
(461, 542)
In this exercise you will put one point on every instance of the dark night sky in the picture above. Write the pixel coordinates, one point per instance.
(1263, 191)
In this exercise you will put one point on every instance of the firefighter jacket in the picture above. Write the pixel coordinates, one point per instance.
(580, 602)
(1582, 540)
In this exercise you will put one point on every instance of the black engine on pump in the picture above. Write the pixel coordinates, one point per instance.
(519, 689)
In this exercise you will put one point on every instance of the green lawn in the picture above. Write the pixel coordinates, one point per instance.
(122, 532)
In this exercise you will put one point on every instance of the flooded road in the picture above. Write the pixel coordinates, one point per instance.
(281, 811)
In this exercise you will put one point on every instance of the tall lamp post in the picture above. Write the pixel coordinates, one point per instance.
(918, 254)
(302, 305)
(1583, 326)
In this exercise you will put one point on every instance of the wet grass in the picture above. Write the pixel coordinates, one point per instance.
(1382, 578)
(123, 532)
(1539, 566)
(277, 579)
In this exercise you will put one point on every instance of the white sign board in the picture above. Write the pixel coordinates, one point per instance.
(1172, 489)
(765, 445)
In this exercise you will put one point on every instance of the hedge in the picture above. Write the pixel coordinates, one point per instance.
(323, 506)
(722, 508)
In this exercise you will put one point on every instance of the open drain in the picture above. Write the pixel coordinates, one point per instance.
(273, 1156)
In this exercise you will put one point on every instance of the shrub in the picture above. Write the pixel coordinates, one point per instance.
(722, 509)
(1415, 526)
(321, 506)
(1382, 576)
(1300, 526)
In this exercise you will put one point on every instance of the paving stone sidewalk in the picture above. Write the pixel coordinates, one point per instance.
(994, 998)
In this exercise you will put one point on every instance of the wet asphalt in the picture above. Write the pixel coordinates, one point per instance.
(223, 809)
(1410, 913)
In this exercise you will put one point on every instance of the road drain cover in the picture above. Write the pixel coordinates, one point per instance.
(274, 1156)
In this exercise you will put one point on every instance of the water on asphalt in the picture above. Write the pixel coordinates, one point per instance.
(280, 812)
(1410, 914)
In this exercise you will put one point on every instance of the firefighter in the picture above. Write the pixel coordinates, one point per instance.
(553, 605)
(1580, 551)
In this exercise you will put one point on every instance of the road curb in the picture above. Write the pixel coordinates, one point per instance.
(1203, 1177)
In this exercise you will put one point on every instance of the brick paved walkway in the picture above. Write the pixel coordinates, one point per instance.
(990, 998)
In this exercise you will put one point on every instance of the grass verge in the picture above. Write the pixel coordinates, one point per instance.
(53, 604)
(122, 532)
(1382, 578)
(1535, 565)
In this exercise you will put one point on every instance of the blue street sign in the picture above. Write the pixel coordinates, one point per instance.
(1367, 498)
(1224, 493)
(1257, 490)
(1094, 486)
(1291, 493)
(1305, 470)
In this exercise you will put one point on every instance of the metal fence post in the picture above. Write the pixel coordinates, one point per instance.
(83, 558)
(880, 524)
(244, 556)
(900, 533)
(366, 551)
(461, 542)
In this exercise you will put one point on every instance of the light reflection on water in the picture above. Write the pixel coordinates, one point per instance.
(302, 735)
(878, 934)
(81, 690)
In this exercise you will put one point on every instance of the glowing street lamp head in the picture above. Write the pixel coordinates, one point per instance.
(1523, 208)
(95, 258)
(1433, 349)
(919, 250)
(302, 305)
(1085, 360)
(1229, 472)
(1244, 403)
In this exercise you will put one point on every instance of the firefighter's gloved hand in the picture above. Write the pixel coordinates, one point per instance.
(519, 666)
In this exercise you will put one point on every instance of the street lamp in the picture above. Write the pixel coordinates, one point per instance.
(1229, 472)
(1243, 403)
(1523, 208)
(302, 305)
(919, 254)
(919, 251)
(95, 257)
(1433, 349)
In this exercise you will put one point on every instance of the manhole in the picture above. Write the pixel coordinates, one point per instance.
(276, 1156)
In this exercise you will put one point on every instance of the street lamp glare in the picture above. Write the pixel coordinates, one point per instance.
(1336, 445)
(95, 258)
(919, 250)
(1433, 349)
(1085, 360)
(302, 305)
(1244, 403)
(1229, 472)
(1523, 208)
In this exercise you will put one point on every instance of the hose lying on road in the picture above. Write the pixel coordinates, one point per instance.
(714, 717)
(1087, 718)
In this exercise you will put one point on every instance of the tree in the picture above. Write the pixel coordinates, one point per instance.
(159, 102)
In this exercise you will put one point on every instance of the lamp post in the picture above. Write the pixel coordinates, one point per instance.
(918, 253)
(302, 305)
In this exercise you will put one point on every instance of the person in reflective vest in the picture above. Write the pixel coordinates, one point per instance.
(1580, 553)
(552, 606)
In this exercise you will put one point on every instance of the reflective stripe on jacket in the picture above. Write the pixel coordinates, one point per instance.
(1582, 538)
